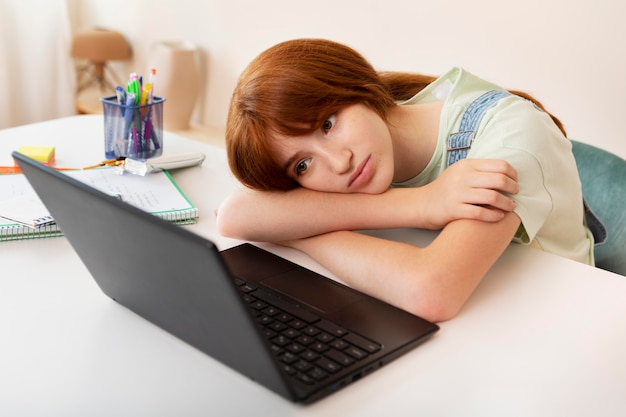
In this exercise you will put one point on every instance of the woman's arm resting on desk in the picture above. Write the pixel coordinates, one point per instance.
(470, 189)
(432, 282)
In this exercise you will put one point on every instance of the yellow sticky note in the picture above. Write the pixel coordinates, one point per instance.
(43, 154)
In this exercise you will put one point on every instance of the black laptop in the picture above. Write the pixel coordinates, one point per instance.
(292, 330)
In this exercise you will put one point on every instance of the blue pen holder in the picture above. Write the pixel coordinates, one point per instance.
(132, 131)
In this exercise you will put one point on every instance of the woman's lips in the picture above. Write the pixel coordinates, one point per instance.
(362, 174)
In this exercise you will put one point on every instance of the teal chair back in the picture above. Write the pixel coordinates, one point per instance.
(603, 177)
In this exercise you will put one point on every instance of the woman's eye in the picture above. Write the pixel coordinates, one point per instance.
(329, 123)
(302, 166)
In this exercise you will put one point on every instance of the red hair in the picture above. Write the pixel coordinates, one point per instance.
(290, 90)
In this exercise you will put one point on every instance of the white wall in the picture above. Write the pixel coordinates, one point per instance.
(570, 55)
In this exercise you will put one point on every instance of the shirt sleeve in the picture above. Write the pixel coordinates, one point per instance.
(517, 131)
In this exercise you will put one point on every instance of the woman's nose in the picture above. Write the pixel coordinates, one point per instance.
(340, 160)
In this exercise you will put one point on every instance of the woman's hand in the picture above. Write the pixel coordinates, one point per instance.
(474, 189)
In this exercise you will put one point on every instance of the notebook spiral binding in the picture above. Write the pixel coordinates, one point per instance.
(48, 230)
(23, 232)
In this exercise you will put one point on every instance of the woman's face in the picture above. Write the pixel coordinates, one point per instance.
(351, 153)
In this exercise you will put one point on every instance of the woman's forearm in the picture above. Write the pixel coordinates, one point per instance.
(276, 216)
(470, 189)
(432, 282)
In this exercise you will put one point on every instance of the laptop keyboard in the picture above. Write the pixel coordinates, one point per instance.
(309, 348)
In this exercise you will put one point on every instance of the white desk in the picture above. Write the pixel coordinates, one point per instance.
(541, 336)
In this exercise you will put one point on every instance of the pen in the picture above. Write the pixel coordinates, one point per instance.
(107, 162)
(150, 132)
(147, 119)
(135, 138)
(121, 99)
(121, 95)
(139, 139)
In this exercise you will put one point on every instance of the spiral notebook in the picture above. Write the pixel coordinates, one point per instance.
(23, 215)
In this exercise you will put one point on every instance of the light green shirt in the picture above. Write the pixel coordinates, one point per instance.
(549, 203)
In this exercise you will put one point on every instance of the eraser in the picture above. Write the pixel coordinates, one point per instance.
(43, 154)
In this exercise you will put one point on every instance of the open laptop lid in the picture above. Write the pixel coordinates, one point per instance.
(183, 287)
(183, 284)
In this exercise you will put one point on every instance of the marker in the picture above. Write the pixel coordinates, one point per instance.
(133, 87)
(121, 95)
(128, 118)
(152, 77)
(121, 98)
(145, 94)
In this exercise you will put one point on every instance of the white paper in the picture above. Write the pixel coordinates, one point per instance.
(154, 193)
(25, 209)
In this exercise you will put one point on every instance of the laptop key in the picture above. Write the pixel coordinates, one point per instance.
(302, 365)
(324, 337)
(319, 347)
(317, 374)
(362, 343)
(271, 311)
(277, 326)
(281, 340)
(288, 358)
(306, 379)
(355, 352)
(291, 333)
(277, 350)
(297, 324)
(328, 365)
(339, 344)
(290, 370)
(258, 305)
(295, 348)
(339, 357)
(310, 331)
(305, 340)
(285, 318)
(268, 333)
(265, 320)
(309, 355)
(331, 328)
(246, 288)
(286, 306)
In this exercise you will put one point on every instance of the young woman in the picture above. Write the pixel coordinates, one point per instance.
(326, 145)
